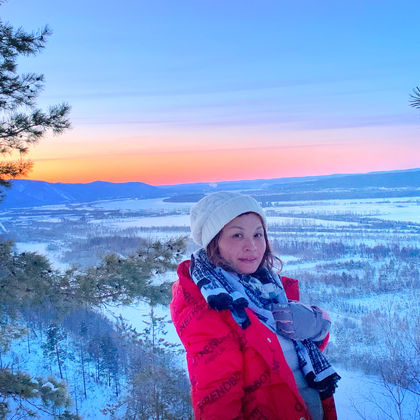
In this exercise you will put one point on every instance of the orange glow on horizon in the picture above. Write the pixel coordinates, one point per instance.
(224, 165)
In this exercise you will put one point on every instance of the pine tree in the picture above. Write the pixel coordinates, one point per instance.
(27, 281)
(125, 280)
(21, 387)
(158, 388)
(53, 348)
(415, 98)
(22, 123)
(83, 356)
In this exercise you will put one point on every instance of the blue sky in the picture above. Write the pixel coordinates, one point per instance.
(183, 77)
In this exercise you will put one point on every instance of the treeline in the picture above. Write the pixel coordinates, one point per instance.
(382, 251)
(89, 251)
(269, 200)
(390, 276)
(311, 249)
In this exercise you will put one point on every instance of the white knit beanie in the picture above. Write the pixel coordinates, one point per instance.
(214, 211)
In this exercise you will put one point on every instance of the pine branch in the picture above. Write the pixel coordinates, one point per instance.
(13, 169)
(19, 90)
(15, 42)
(24, 389)
(21, 129)
(415, 98)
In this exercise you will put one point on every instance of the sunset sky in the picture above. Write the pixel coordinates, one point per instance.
(168, 92)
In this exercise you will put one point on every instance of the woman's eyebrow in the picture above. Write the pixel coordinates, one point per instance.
(240, 227)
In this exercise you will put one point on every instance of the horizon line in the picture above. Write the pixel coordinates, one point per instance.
(221, 181)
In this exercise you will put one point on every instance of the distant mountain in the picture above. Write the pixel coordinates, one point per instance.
(409, 179)
(371, 185)
(26, 193)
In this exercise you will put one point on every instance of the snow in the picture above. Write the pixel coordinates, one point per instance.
(50, 386)
(42, 249)
(358, 394)
(38, 247)
(404, 209)
(361, 396)
(2, 227)
(137, 314)
(393, 301)
(307, 221)
(158, 221)
(147, 204)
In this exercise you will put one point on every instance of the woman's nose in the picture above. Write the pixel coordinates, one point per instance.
(249, 244)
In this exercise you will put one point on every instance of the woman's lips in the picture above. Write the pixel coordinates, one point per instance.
(247, 260)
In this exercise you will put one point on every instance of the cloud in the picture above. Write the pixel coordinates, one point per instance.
(360, 121)
(172, 88)
(288, 121)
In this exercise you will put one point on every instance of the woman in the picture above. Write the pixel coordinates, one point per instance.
(253, 350)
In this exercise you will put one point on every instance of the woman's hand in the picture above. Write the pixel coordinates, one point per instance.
(298, 321)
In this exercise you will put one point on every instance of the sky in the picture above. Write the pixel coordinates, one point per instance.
(168, 92)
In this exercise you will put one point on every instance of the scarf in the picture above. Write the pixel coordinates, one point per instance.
(233, 291)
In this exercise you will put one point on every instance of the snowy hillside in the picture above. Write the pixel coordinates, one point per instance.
(358, 258)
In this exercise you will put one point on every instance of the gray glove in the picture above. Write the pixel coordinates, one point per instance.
(298, 321)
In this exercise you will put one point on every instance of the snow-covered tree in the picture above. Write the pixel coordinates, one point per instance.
(27, 281)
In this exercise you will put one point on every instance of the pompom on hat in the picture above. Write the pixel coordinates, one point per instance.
(215, 210)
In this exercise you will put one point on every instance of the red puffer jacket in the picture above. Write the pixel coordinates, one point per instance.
(235, 373)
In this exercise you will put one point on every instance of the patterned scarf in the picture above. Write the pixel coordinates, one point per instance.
(229, 290)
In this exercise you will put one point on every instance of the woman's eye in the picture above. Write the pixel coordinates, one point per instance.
(258, 235)
(237, 235)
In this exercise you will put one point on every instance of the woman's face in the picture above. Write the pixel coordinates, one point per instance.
(242, 243)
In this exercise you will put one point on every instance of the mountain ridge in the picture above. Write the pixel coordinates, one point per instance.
(31, 193)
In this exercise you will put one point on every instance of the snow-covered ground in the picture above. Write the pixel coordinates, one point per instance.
(42, 248)
(351, 221)
(137, 222)
(148, 204)
(401, 209)
(365, 397)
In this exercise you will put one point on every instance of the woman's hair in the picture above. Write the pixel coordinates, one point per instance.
(268, 260)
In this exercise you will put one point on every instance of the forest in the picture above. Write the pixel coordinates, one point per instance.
(53, 319)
